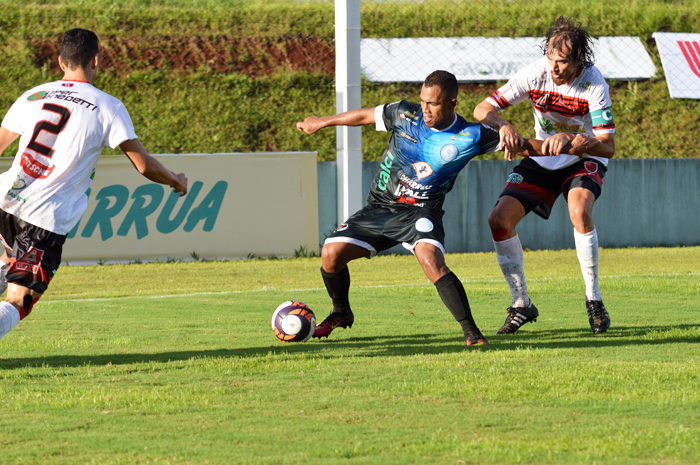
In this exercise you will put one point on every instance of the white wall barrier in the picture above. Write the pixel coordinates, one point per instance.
(644, 203)
(274, 203)
(238, 204)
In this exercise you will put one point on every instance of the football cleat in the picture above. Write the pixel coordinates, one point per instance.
(473, 337)
(332, 321)
(597, 316)
(518, 316)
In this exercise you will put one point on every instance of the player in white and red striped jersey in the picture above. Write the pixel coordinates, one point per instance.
(62, 127)
(569, 97)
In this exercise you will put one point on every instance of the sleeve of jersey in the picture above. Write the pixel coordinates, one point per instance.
(14, 120)
(489, 140)
(601, 114)
(514, 91)
(121, 128)
(391, 115)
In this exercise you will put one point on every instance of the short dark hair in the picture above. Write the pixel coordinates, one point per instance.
(446, 80)
(566, 32)
(79, 47)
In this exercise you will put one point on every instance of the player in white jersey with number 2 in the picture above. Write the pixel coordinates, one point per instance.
(569, 97)
(62, 126)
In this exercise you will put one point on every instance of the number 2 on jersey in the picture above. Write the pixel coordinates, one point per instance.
(49, 127)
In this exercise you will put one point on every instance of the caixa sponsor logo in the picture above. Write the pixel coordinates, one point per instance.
(34, 168)
(146, 203)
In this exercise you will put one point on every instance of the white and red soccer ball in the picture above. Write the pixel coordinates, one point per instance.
(293, 321)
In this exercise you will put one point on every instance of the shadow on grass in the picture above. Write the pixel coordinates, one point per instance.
(385, 346)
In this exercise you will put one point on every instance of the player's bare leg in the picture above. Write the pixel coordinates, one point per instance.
(581, 202)
(335, 257)
(450, 289)
(503, 219)
(4, 261)
(17, 305)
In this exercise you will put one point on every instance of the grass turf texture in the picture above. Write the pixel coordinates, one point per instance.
(176, 363)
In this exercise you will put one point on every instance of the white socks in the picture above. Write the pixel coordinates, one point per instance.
(9, 318)
(510, 257)
(587, 251)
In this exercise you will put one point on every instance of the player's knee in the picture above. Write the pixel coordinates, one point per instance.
(330, 258)
(500, 229)
(27, 305)
(427, 262)
(432, 266)
(22, 298)
(581, 219)
(23, 306)
(497, 220)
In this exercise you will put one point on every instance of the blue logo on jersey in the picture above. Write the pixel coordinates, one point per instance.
(449, 152)
(514, 178)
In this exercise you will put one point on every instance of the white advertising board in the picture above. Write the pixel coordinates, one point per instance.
(680, 57)
(483, 59)
(238, 204)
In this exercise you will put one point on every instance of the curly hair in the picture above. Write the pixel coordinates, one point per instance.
(568, 33)
(446, 80)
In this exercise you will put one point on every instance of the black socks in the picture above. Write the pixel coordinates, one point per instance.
(338, 286)
(454, 296)
(449, 288)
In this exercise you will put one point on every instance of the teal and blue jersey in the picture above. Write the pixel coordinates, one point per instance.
(420, 164)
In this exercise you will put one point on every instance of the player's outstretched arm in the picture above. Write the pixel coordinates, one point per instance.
(602, 145)
(151, 168)
(359, 117)
(578, 145)
(604, 148)
(511, 140)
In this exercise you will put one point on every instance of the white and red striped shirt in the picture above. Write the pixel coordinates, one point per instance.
(63, 125)
(580, 107)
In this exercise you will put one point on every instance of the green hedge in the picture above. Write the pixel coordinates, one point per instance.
(200, 110)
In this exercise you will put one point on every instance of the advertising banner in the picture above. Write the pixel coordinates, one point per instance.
(238, 205)
(483, 59)
(680, 57)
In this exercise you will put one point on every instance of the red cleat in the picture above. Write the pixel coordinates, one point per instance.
(334, 320)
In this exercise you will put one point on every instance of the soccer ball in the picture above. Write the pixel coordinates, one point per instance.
(293, 321)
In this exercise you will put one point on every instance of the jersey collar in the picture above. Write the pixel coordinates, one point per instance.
(447, 128)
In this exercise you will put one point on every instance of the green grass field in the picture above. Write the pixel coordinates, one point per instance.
(176, 363)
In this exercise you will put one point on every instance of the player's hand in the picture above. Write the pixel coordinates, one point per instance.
(580, 144)
(554, 145)
(310, 125)
(511, 141)
(180, 184)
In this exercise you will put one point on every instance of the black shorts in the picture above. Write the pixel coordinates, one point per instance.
(537, 188)
(377, 228)
(35, 253)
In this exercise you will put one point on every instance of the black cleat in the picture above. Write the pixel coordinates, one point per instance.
(518, 316)
(332, 321)
(473, 337)
(597, 316)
